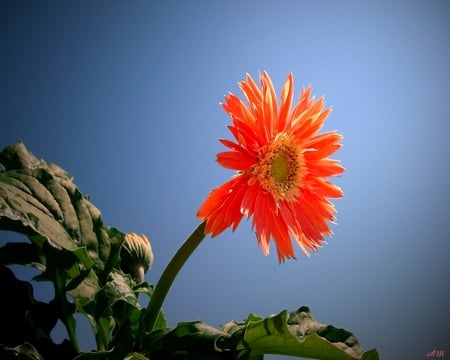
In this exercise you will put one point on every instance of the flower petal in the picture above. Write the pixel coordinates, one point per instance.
(235, 160)
(322, 145)
(325, 167)
(287, 95)
(221, 208)
(269, 106)
(321, 186)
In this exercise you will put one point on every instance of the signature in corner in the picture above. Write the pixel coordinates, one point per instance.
(436, 354)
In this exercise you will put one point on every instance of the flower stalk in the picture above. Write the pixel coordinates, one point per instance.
(169, 275)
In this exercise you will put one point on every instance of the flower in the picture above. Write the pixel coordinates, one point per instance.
(136, 256)
(282, 168)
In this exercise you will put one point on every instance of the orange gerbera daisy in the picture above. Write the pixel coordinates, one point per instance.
(282, 165)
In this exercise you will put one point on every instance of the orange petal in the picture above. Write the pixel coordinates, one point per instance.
(322, 145)
(319, 185)
(250, 90)
(235, 160)
(325, 167)
(287, 95)
(221, 208)
(282, 239)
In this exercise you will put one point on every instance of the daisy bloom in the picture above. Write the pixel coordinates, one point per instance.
(282, 168)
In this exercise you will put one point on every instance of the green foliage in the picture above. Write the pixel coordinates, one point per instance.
(74, 250)
(288, 333)
(80, 256)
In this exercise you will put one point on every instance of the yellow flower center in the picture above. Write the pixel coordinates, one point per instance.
(279, 169)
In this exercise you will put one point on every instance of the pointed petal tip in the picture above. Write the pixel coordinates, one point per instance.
(290, 77)
(282, 258)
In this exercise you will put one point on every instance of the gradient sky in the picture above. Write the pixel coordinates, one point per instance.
(125, 96)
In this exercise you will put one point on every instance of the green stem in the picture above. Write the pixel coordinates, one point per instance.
(71, 331)
(169, 275)
(102, 334)
(66, 316)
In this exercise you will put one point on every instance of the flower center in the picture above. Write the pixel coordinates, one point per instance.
(279, 170)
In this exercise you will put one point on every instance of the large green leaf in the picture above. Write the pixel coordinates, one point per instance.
(189, 340)
(294, 334)
(40, 200)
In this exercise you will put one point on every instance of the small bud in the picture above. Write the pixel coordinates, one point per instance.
(136, 256)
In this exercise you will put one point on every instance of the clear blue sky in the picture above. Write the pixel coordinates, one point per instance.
(125, 96)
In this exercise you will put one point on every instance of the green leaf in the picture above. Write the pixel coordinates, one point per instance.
(135, 356)
(189, 340)
(85, 291)
(293, 334)
(15, 302)
(21, 210)
(40, 200)
(24, 351)
(95, 355)
(147, 289)
(20, 253)
(117, 304)
(26, 321)
(118, 287)
(125, 332)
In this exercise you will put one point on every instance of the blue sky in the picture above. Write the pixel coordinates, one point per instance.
(125, 96)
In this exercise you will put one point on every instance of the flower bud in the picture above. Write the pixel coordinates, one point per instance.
(136, 256)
